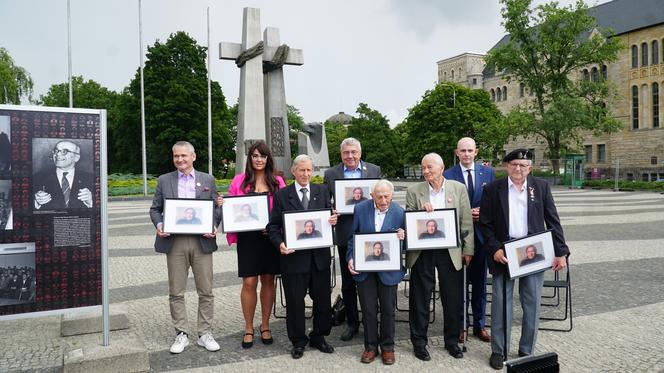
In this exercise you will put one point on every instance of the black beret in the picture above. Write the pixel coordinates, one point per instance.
(518, 154)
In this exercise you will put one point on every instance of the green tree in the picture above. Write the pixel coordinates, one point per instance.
(15, 82)
(175, 77)
(546, 46)
(334, 134)
(379, 145)
(438, 121)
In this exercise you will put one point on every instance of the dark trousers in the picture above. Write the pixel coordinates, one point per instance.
(476, 276)
(348, 289)
(422, 282)
(375, 294)
(295, 288)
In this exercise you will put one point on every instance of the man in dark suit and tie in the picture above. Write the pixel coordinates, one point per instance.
(303, 270)
(378, 289)
(474, 176)
(352, 167)
(65, 185)
(515, 207)
(187, 250)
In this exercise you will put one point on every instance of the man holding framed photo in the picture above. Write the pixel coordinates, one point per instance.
(515, 207)
(306, 269)
(379, 214)
(351, 167)
(187, 250)
(437, 193)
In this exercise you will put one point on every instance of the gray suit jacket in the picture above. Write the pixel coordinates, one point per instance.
(167, 187)
(456, 196)
(344, 227)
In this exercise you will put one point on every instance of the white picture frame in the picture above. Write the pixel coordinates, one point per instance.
(299, 234)
(245, 213)
(442, 222)
(345, 197)
(179, 219)
(364, 258)
(516, 251)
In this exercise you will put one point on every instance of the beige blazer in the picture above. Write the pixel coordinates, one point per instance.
(456, 196)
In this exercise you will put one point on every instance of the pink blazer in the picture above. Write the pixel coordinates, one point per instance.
(235, 189)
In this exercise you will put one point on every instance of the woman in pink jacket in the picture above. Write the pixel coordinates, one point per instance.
(256, 257)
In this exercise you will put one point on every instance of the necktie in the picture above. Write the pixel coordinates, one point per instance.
(305, 199)
(65, 188)
(471, 185)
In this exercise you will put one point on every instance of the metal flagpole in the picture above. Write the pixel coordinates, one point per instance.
(143, 149)
(209, 96)
(71, 89)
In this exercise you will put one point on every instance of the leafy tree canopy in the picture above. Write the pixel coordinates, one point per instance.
(15, 82)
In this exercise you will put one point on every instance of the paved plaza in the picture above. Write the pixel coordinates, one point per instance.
(617, 244)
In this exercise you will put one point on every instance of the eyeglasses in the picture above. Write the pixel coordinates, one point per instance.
(258, 156)
(63, 152)
(519, 165)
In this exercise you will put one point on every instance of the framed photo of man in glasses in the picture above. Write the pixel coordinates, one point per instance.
(62, 174)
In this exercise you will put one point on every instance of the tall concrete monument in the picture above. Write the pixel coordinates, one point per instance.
(312, 141)
(262, 101)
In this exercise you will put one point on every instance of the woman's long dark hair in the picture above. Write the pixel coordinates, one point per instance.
(249, 183)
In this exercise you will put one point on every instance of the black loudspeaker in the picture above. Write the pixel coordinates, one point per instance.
(545, 363)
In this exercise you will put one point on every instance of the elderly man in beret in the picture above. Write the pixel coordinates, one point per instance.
(515, 207)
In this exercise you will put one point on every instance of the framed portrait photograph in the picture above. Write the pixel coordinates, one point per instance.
(432, 230)
(530, 254)
(18, 280)
(377, 252)
(349, 192)
(308, 229)
(245, 213)
(188, 216)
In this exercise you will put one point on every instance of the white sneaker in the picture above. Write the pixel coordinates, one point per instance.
(181, 341)
(207, 341)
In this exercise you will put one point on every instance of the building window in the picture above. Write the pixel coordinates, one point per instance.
(653, 161)
(635, 56)
(644, 54)
(593, 74)
(604, 72)
(499, 92)
(474, 81)
(522, 89)
(586, 75)
(655, 105)
(645, 177)
(452, 73)
(445, 75)
(589, 154)
(493, 95)
(655, 52)
(504, 93)
(601, 153)
(635, 107)
(630, 176)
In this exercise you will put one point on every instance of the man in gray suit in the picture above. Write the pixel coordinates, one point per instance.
(187, 250)
(351, 167)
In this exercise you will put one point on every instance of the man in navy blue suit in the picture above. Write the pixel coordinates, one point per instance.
(377, 289)
(474, 176)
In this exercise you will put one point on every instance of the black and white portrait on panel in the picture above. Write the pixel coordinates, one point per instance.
(6, 214)
(18, 283)
(5, 144)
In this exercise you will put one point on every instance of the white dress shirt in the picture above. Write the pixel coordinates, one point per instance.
(437, 199)
(464, 172)
(379, 218)
(298, 188)
(518, 209)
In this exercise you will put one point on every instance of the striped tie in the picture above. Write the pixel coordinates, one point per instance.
(66, 190)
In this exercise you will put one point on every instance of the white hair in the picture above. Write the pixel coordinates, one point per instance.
(350, 141)
(381, 183)
(186, 144)
(301, 158)
(434, 157)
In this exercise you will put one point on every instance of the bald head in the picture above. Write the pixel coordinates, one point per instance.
(466, 151)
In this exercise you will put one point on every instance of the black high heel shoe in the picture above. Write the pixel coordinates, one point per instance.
(246, 345)
(266, 341)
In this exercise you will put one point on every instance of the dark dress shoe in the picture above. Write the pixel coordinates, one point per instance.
(522, 354)
(454, 351)
(368, 356)
(422, 353)
(388, 357)
(482, 334)
(246, 345)
(496, 361)
(269, 340)
(297, 352)
(349, 332)
(322, 346)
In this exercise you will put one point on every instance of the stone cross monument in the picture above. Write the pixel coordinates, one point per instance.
(262, 101)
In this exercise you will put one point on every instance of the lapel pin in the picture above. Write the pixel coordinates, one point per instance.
(198, 184)
(449, 200)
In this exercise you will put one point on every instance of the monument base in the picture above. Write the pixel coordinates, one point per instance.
(91, 322)
(126, 354)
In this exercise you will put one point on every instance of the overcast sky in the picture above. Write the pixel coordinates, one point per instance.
(381, 52)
